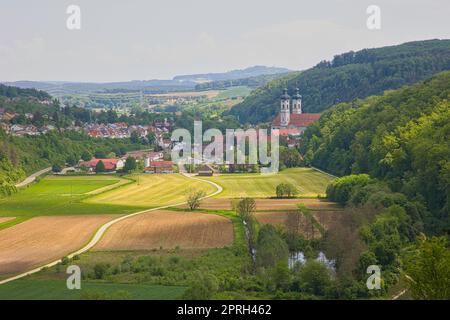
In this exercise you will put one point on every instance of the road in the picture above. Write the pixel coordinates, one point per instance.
(32, 177)
(101, 231)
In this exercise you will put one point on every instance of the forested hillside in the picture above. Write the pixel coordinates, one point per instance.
(401, 138)
(349, 76)
(15, 92)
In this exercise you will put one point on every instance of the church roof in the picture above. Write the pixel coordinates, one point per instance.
(298, 120)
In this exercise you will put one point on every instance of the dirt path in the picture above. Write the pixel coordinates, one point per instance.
(32, 177)
(43, 239)
(101, 231)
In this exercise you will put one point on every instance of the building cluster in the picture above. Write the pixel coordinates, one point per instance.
(120, 130)
(292, 121)
(153, 162)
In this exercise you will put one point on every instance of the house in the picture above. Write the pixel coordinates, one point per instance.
(205, 171)
(293, 123)
(110, 164)
(160, 167)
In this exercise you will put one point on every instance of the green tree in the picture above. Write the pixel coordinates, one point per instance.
(100, 167)
(86, 156)
(56, 168)
(202, 288)
(194, 198)
(428, 270)
(134, 137)
(314, 278)
(130, 164)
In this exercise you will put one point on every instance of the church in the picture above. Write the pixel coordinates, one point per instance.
(293, 123)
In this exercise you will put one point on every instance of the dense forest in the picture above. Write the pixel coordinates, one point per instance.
(14, 92)
(401, 138)
(349, 76)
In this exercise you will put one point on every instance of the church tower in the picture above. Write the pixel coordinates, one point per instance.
(297, 102)
(285, 110)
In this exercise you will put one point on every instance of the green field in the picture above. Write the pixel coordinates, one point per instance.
(60, 196)
(153, 190)
(309, 183)
(57, 290)
(233, 92)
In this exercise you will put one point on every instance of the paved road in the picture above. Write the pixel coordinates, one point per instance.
(101, 231)
(33, 177)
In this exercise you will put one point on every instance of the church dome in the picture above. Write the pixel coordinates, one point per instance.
(285, 95)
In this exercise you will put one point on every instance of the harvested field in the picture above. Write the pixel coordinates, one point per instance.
(43, 239)
(168, 230)
(269, 204)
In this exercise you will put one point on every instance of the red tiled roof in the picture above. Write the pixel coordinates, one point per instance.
(161, 163)
(110, 164)
(298, 120)
(289, 131)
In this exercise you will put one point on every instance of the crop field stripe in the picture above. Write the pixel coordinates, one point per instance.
(98, 235)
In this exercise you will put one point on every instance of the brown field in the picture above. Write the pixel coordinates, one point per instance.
(44, 239)
(4, 219)
(269, 204)
(168, 229)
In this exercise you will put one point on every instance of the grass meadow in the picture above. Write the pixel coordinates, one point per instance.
(56, 289)
(152, 190)
(309, 183)
(57, 195)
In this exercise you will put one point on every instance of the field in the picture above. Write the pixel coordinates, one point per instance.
(309, 183)
(43, 239)
(168, 229)
(153, 190)
(53, 289)
(268, 204)
(56, 195)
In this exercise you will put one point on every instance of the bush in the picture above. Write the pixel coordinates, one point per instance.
(286, 189)
(341, 189)
(203, 288)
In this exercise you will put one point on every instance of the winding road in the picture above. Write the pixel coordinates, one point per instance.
(101, 231)
(33, 177)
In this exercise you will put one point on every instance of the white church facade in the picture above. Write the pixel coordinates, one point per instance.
(293, 122)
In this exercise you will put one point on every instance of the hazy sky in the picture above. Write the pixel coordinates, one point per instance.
(136, 39)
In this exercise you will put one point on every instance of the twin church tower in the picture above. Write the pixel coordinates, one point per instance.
(285, 111)
(293, 123)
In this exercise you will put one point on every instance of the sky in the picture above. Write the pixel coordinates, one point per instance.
(158, 39)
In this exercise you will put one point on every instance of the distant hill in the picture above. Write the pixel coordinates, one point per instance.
(252, 82)
(232, 75)
(149, 86)
(178, 83)
(349, 76)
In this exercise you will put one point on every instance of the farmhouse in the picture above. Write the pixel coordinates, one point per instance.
(205, 171)
(110, 164)
(160, 167)
(293, 123)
